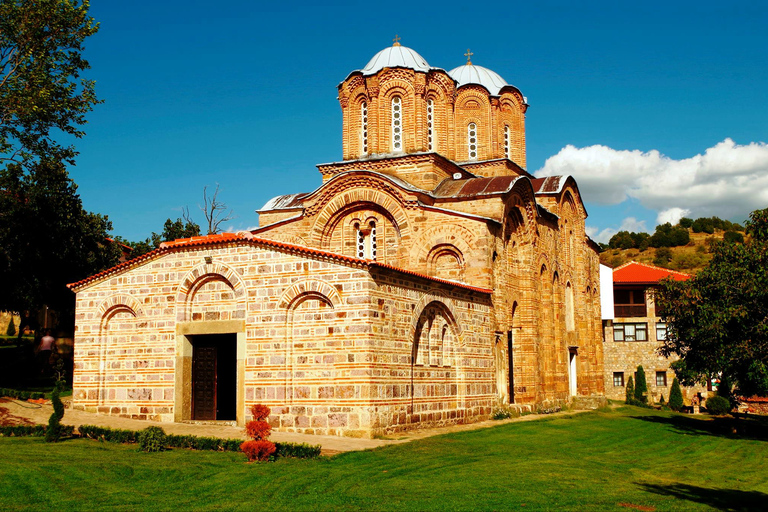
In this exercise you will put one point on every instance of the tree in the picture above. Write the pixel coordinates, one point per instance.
(675, 396)
(47, 239)
(717, 321)
(641, 386)
(183, 227)
(41, 90)
(213, 209)
(11, 330)
(629, 391)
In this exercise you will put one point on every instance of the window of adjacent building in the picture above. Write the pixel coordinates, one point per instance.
(506, 142)
(364, 128)
(397, 124)
(661, 379)
(431, 124)
(472, 141)
(630, 332)
(629, 303)
(618, 379)
(661, 331)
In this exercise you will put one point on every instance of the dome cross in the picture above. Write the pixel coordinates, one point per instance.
(396, 40)
(469, 55)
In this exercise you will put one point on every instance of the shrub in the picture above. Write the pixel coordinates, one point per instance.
(662, 403)
(675, 396)
(685, 222)
(260, 412)
(724, 389)
(733, 237)
(258, 430)
(54, 432)
(151, 439)
(11, 330)
(112, 435)
(21, 395)
(641, 387)
(503, 412)
(629, 391)
(718, 406)
(258, 450)
(297, 450)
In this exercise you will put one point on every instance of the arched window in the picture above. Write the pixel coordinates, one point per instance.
(472, 141)
(506, 141)
(364, 128)
(431, 124)
(366, 241)
(570, 320)
(397, 124)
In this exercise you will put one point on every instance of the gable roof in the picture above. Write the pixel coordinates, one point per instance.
(641, 273)
(245, 237)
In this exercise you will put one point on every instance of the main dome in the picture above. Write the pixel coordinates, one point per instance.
(395, 56)
(471, 74)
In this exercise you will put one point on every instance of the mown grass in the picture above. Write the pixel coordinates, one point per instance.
(630, 458)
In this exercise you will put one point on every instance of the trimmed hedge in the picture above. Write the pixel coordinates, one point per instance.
(114, 435)
(21, 395)
(34, 431)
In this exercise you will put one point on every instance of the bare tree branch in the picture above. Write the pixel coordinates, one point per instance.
(214, 211)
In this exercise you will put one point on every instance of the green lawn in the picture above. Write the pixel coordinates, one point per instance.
(628, 459)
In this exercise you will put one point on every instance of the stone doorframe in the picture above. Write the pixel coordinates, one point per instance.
(182, 410)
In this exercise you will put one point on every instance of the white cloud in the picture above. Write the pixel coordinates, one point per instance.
(628, 224)
(728, 180)
(672, 215)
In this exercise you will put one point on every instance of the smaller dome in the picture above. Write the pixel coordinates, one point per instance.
(471, 74)
(396, 56)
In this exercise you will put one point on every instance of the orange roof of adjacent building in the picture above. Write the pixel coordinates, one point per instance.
(642, 273)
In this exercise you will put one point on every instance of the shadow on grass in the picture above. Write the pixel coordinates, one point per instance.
(726, 426)
(721, 499)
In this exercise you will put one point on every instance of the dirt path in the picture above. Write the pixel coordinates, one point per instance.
(20, 412)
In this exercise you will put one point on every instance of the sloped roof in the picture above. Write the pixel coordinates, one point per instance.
(642, 273)
(473, 187)
(247, 237)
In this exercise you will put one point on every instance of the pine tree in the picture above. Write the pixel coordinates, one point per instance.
(630, 391)
(11, 331)
(641, 387)
(675, 396)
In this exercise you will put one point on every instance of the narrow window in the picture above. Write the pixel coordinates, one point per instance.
(472, 141)
(506, 141)
(364, 128)
(570, 320)
(360, 241)
(661, 331)
(366, 241)
(372, 241)
(397, 127)
(430, 123)
(661, 379)
(618, 379)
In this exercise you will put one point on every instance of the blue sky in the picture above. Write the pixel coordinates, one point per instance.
(624, 97)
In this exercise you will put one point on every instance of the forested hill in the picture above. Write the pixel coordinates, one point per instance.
(684, 246)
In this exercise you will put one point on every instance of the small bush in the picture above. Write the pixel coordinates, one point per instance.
(258, 430)
(258, 450)
(11, 330)
(53, 433)
(641, 386)
(503, 412)
(151, 439)
(675, 396)
(260, 412)
(718, 406)
(629, 391)
(297, 450)
(112, 435)
(20, 395)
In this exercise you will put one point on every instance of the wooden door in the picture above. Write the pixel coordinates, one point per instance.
(204, 382)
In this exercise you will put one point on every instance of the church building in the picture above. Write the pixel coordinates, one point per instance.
(427, 280)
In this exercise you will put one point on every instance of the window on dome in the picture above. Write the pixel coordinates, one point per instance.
(506, 141)
(397, 127)
(431, 123)
(364, 128)
(472, 141)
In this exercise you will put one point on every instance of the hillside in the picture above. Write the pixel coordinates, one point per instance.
(689, 258)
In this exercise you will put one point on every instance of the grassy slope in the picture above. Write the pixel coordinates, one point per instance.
(688, 258)
(585, 462)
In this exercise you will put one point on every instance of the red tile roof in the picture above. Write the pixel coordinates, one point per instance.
(642, 273)
(247, 237)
